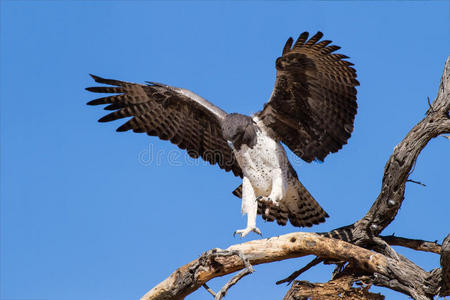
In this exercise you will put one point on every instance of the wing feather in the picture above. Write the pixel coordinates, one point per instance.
(301, 40)
(313, 103)
(180, 116)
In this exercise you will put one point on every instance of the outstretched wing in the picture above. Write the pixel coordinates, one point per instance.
(313, 104)
(174, 114)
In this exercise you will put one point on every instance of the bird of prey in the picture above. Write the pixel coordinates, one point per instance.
(311, 111)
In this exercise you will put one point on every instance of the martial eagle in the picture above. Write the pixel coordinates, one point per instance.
(311, 111)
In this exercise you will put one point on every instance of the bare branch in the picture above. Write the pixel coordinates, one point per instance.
(419, 245)
(248, 270)
(214, 263)
(297, 273)
(209, 290)
(232, 282)
(416, 182)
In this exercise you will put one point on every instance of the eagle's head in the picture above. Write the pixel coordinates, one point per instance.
(238, 130)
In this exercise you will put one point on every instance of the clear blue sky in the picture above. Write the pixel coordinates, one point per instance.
(85, 214)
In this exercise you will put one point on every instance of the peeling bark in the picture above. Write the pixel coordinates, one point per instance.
(341, 288)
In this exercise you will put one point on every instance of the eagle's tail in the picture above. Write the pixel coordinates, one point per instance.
(305, 211)
(301, 211)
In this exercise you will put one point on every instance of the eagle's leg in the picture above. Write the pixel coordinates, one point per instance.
(279, 186)
(249, 207)
(278, 192)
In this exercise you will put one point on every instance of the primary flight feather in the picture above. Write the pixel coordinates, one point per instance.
(311, 110)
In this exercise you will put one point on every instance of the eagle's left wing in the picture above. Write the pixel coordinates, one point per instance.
(178, 115)
(313, 103)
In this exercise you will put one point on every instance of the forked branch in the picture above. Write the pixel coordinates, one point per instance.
(217, 262)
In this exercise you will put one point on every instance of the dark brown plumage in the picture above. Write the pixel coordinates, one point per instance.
(313, 104)
(174, 114)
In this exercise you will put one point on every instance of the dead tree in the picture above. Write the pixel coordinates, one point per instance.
(361, 254)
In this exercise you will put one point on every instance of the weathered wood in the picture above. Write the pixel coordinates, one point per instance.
(340, 288)
(445, 264)
(217, 262)
(419, 245)
(399, 165)
(246, 271)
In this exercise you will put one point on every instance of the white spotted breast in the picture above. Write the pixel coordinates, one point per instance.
(258, 162)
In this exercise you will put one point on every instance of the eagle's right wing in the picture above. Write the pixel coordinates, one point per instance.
(313, 103)
(174, 114)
